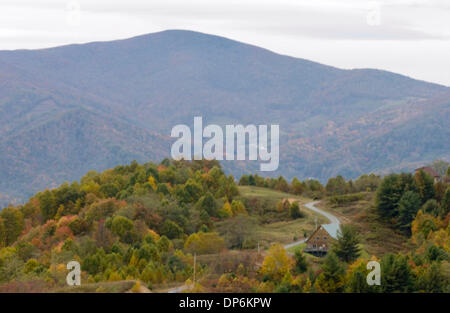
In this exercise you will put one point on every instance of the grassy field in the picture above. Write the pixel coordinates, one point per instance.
(264, 193)
(377, 237)
(282, 231)
(296, 248)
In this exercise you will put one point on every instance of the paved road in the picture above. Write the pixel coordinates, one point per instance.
(333, 219)
(311, 206)
(295, 243)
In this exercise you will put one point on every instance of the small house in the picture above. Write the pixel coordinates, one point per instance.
(321, 240)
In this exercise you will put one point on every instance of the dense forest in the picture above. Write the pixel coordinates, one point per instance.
(145, 222)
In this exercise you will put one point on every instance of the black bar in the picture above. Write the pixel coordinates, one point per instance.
(223, 302)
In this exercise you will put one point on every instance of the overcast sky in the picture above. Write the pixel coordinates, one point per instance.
(411, 37)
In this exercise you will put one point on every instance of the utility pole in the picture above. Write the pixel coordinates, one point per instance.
(195, 261)
(258, 246)
(315, 221)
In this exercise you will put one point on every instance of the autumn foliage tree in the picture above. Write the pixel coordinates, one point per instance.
(204, 243)
(277, 263)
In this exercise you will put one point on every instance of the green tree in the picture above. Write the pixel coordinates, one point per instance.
(300, 262)
(244, 180)
(297, 187)
(396, 274)
(294, 210)
(12, 224)
(237, 230)
(209, 204)
(425, 185)
(193, 191)
(2, 233)
(281, 184)
(347, 245)
(148, 252)
(251, 180)
(259, 181)
(435, 253)
(336, 186)
(358, 283)
(367, 182)
(205, 219)
(109, 190)
(432, 207)
(124, 228)
(162, 188)
(227, 188)
(171, 230)
(408, 207)
(390, 191)
(48, 205)
(332, 277)
(433, 279)
(164, 244)
(445, 203)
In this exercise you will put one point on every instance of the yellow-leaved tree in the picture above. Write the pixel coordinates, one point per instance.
(424, 224)
(204, 243)
(277, 263)
(152, 182)
(238, 207)
(227, 209)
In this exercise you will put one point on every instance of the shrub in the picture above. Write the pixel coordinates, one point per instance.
(344, 199)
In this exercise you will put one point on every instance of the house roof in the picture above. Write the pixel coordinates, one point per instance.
(428, 170)
(332, 229)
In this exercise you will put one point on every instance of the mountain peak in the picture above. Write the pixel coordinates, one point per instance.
(137, 89)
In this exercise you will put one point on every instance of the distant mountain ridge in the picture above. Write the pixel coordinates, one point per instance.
(70, 109)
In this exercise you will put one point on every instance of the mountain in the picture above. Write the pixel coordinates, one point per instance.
(68, 109)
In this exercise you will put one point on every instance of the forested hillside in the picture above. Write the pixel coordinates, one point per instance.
(141, 224)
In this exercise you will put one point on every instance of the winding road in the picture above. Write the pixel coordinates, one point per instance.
(311, 206)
